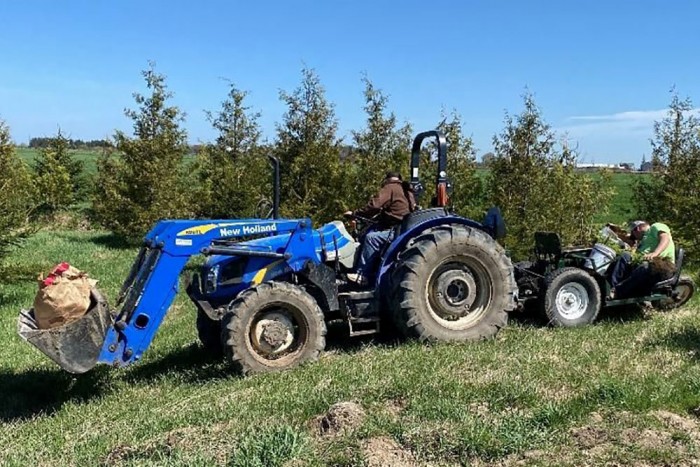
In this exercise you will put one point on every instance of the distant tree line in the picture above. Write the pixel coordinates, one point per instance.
(143, 175)
(46, 141)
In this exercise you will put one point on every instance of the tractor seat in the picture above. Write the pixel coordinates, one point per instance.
(672, 281)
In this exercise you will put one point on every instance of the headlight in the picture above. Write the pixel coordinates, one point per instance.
(212, 279)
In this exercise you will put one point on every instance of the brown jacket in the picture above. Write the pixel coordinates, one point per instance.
(391, 204)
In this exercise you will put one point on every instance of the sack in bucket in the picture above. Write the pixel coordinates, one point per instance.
(63, 296)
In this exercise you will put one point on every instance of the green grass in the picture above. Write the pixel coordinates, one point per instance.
(601, 394)
(87, 157)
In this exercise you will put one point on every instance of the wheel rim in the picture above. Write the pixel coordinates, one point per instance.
(277, 334)
(459, 292)
(572, 300)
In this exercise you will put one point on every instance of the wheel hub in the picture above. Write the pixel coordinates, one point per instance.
(274, 333)
(572, 300)
(455, 292)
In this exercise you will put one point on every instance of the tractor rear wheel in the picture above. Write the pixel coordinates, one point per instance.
(572, 298)
(453, 283)
(272, 327)
(209, 332)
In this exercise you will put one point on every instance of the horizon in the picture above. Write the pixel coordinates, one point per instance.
(600, 73)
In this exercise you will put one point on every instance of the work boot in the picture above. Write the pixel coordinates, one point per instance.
(357, 278)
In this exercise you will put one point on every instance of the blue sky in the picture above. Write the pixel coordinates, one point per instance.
(601, 70)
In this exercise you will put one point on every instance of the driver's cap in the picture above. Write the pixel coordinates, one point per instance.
(634, 224)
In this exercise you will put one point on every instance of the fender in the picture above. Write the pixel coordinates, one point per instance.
(399, 243)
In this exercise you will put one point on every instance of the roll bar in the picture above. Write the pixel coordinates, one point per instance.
(441, 182)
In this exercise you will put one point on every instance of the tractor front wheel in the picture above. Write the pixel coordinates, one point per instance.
(572, 298)
(453, 283)
(272, 327)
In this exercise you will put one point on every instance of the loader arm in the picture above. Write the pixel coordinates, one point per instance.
(152, 285)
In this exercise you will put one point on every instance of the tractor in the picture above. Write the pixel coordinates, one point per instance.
(269, 286)
(572, 284)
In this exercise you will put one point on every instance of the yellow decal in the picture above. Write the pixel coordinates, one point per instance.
(259, 276)
(202, 229)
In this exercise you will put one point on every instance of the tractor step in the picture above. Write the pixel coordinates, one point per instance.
(360, 311)
(363, 326)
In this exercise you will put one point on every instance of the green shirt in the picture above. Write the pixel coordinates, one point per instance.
(651, 239)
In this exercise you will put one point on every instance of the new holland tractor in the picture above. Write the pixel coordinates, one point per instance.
(269, 286)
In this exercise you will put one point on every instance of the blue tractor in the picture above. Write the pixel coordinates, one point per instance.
(269, 286)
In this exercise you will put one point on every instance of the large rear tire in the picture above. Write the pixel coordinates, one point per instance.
(453, 283)
(274, 326)
(572, 298)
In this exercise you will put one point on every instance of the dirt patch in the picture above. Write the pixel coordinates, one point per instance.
(647, 439)
(677, 422)
(385, 452)
(394, 407)
(341, 418)
(119, 454)
(588, 436)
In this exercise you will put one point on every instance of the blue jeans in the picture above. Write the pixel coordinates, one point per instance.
(372, 247)
(630, 281)
(621, 269)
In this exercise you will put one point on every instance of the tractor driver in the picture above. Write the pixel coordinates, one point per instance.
(653, 241)
(394, 200)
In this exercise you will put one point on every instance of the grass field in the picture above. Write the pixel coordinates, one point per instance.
(87, 157)
(623, 391)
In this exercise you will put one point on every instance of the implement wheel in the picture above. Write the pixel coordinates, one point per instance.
(453, 283)
(682, 293)
(272, 327)
(572, 298)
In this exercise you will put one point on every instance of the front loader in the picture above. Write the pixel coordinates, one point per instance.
(269, 286)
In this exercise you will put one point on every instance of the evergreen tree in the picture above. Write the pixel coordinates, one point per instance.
(232, 176)
(534, 183)
(467, 194)
(16, 194)
(312, 183)
(146, 181)
(672, 195)
(59, 178)
(380, 147)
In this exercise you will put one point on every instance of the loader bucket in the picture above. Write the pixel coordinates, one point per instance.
(75, 346)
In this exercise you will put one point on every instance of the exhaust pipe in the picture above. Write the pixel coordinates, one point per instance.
(75, 346)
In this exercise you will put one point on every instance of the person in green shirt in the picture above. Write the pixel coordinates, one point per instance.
(652, 240)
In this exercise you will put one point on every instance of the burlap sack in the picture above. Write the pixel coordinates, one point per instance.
(63, 296)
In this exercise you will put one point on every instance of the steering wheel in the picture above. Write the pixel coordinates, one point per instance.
(264, 209)
(359, 225)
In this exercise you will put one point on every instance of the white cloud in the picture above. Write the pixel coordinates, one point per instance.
(628, 122)
(613, 137)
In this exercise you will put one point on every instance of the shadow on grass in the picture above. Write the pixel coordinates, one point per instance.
(686, 339)
(191, 364)
(194, 364)
(35, 392)
(623, 314)
(116, 242)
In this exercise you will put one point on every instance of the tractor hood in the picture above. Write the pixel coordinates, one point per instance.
(327, 238)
